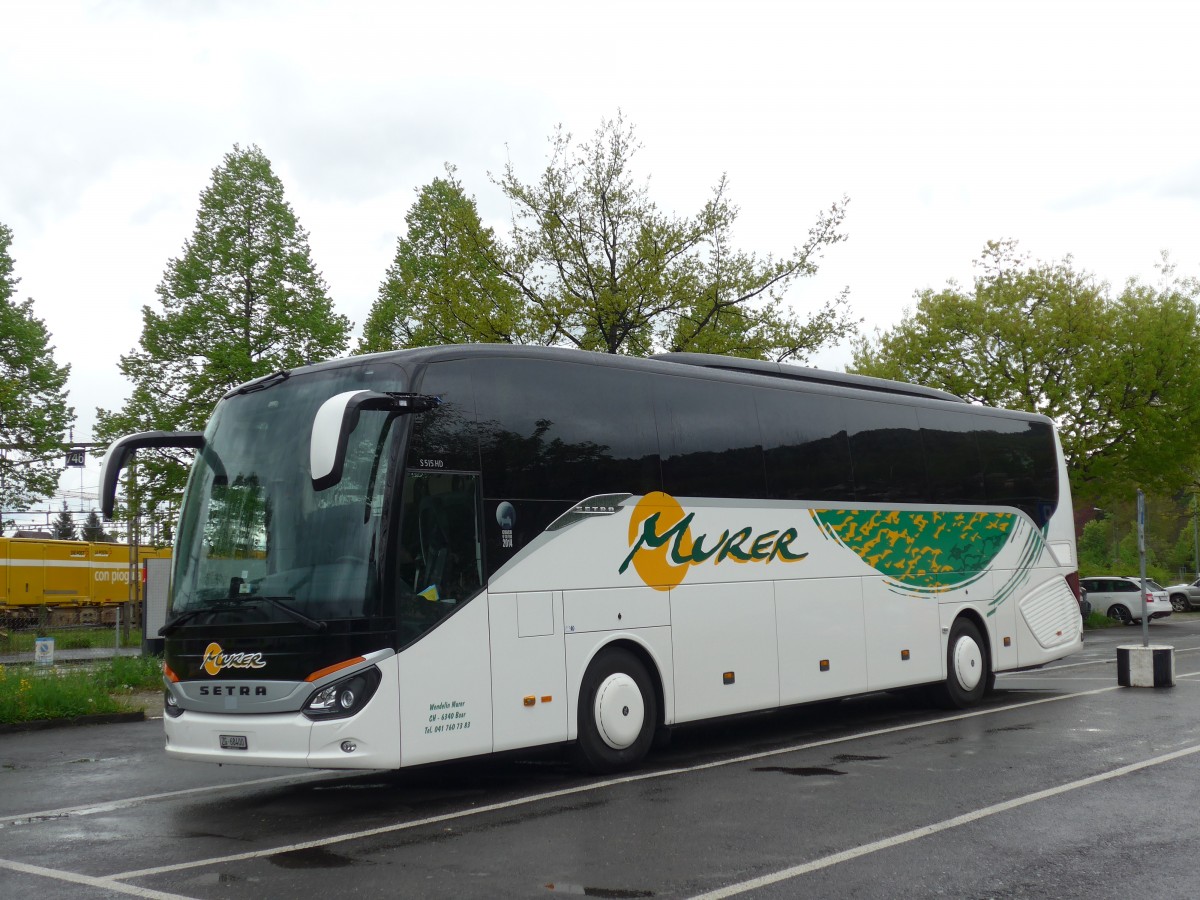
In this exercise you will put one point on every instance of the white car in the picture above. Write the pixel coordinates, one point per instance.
(1119, 597)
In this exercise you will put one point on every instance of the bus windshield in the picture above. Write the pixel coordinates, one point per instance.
(255, 535)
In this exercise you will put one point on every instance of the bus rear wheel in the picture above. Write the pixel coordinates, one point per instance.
(618, 713)
(968, 675)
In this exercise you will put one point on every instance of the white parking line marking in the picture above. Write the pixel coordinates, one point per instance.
(93, 808)
(593, 786)
(1094, 662)
(91, 881)
(918, 833)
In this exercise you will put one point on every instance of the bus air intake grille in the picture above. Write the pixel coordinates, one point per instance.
(1052, 614)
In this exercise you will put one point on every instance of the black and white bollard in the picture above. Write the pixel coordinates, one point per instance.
(1145, 666)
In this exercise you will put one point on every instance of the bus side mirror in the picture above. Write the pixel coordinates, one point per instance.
(335, 422)
(118, 453)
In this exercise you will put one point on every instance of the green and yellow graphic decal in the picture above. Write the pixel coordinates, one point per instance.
(662, 547)
(923, 551)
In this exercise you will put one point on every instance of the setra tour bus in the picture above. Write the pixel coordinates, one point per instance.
(430, 554)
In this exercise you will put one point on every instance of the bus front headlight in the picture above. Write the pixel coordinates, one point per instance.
(344, 697)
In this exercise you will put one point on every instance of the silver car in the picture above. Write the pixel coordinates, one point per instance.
(1119, 598)
(1185, 597)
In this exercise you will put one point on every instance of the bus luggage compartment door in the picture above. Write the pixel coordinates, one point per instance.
(529, 682)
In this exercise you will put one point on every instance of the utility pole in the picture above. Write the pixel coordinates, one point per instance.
(133, 532)
(1196, 532)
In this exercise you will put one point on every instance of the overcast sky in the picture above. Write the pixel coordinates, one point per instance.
(1070, 127)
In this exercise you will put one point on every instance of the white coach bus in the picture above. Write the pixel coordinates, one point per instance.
(431, 554)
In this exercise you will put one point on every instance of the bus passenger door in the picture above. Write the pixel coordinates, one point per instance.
(445, 671)
(529, 686)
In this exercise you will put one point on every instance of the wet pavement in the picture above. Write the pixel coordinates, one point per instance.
(1061, 785)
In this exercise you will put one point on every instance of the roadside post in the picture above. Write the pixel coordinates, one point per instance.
(1148, 665)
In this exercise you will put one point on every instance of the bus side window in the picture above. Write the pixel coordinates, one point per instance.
(564, 431)
(886, 450)
(1019, 465)
(952, 456)
(709, 439)
(446, 438)
(805, 447)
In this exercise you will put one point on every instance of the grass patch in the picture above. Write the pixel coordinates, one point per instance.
(1099, 620)
(28, 693)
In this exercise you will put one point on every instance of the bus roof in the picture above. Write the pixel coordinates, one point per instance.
(800, 373)
(722, 368)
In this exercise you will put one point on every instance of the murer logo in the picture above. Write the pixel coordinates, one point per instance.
(216, 659)
(662, 548)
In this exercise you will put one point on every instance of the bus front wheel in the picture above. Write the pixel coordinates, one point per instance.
(618, 712)
(968, 674)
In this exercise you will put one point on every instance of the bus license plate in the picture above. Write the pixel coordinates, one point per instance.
(234, 742)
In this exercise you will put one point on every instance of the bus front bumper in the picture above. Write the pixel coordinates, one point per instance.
(363, 741)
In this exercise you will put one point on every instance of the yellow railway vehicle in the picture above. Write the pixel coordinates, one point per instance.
(78, 575)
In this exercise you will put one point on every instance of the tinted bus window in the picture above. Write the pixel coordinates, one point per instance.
(445, 438)
(1020, 466)
(553, 430)
(708, 433)
(886, 451)
(805, 446)
(952, 456)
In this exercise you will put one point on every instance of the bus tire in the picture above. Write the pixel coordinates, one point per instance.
(618, 713)
(968, 674)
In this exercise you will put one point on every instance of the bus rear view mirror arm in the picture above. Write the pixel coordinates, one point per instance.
(119, 451)
(335, 421)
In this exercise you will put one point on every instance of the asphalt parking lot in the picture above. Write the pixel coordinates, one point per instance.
(1061, 785)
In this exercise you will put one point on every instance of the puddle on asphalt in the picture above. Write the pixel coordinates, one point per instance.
(852, 757)
(578, 890)
(803, 771)
(311, 858)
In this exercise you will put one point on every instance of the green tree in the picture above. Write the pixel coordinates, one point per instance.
(1119, 375)
(93, 529)
(34, 415)
(442, 287)
(243, 300)
(64, 525)
(595, 264)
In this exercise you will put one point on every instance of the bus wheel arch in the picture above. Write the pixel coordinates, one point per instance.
(619, 710)
(969, 672)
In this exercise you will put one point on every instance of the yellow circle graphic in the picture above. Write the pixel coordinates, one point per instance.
(212, 659)
(653, 563)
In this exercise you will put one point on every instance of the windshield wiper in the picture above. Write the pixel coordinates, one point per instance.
(173, 626)
(225, 602)
(277, 602)
(261, 384)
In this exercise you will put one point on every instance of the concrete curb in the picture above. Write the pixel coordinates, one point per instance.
(98, 719)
